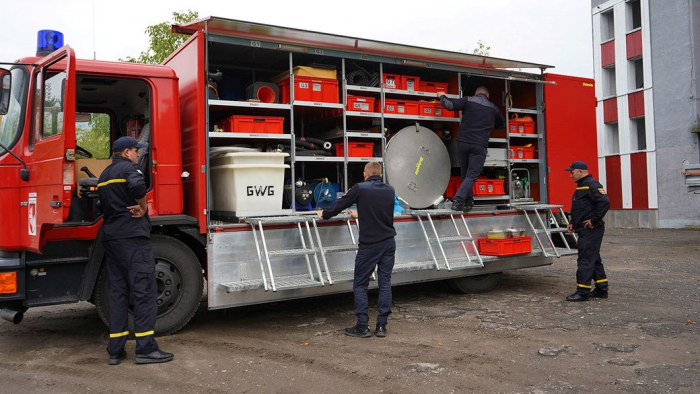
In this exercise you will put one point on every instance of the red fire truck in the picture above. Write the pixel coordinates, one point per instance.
(239, 90)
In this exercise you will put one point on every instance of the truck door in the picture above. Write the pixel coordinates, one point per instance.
(45, 198)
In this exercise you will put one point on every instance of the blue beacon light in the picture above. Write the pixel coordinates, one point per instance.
(48, 41)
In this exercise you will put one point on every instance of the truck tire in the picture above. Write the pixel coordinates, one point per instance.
(180, 284)
(476, 284)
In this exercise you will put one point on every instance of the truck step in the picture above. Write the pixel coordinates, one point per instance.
(464, 264)
(342, 276)
(295, 282)
(415, 266)
(242, 285)
(339, 248)
(456, 238)
(291, 252)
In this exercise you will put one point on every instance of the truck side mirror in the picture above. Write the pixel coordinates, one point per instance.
(24, 174)
(5, 84)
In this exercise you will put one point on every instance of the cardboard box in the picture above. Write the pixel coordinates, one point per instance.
(306, 71)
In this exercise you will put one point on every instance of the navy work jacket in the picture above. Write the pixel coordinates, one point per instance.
(375, 209)
(119, 186)
(479, 115)
(590, 201)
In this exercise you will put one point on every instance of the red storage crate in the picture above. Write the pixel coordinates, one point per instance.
(453, 186)
(523, 125)
(320, 90)
(434, 87)
(488, 187)
(410, 83)
(398, 107)
(392, 81)
(355, 149)
(362, 104)
(253, 124)
(426, 108)
(521, 152)
(505, 246)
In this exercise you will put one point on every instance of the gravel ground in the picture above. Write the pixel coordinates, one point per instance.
(521, 337)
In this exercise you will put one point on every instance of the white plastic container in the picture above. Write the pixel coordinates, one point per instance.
(247, 181)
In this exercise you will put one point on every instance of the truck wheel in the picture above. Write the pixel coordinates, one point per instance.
(476, 284)
(180, 283)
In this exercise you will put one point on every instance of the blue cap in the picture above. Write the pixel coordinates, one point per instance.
(126, 143)
(577, 165)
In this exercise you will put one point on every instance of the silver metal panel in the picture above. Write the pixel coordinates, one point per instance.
(417, 166)
(234, 276)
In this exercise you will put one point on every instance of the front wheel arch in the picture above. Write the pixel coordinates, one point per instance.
(180, 284)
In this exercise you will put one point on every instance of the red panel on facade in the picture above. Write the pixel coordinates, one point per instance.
(570, 133)
(613, 181)
(634, 44)
(636, 104)
(610, 110)
(607, 53)
(640, 186)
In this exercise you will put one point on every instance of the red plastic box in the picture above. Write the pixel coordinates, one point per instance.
(253, 124)
(453, 186)
(320, 90)
(355, 149)
(488, 187)
(434, 87)
(517, 126)
(505, 246)
(521, 152)
(397, 107)
(392, 81)
(410, 83)
(426, 108)
(362, 104)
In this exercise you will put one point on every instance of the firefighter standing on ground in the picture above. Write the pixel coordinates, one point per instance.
(588, 207)
(129, 255)
(479, 115)
(377, 248)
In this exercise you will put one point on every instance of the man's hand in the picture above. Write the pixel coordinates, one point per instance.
(569, 228)
(136, 211)
(587, 224)
(320, 213)
(353, 214)
(440, 94)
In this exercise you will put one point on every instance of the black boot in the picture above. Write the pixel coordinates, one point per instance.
(598, 293)
(358, 331)
(578, 297)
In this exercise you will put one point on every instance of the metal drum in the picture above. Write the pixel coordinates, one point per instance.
(417, 166)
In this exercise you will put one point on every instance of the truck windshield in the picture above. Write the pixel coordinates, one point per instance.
(11, 123)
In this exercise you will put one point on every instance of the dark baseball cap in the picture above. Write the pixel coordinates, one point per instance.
(577, 165)
(126, 143)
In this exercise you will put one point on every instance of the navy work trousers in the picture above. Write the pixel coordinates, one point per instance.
(471, 161)
(590, 265)
(131, 270)
(380, 255)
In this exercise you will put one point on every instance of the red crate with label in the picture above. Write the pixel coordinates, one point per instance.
(521, 152)
(521, 125)
(355, 149)
(434, 87)
(392, 81)
(362, 104)
(253, 124)
(397, 107)
(488, 187)
(505, 246)
(427, 108)
(320, 90)
(410, 83)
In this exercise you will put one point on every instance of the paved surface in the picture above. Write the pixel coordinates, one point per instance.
(520, 338)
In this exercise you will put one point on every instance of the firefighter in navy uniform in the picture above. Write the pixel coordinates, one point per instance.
(377, 248)
(129, 255)
(588, 207)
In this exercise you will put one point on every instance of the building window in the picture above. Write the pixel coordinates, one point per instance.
(636, 75)
(609, 82)
(634, 15)
(612, 139)
(638, 134)
(607, 26)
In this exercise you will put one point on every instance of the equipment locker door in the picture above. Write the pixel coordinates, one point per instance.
(45, 198)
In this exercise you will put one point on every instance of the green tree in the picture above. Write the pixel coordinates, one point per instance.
(94, 136)
(481, 49)
(162, 41)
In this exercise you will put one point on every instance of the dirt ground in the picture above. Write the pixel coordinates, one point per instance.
(521, 337)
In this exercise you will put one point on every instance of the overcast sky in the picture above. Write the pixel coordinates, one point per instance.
(552, 32)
